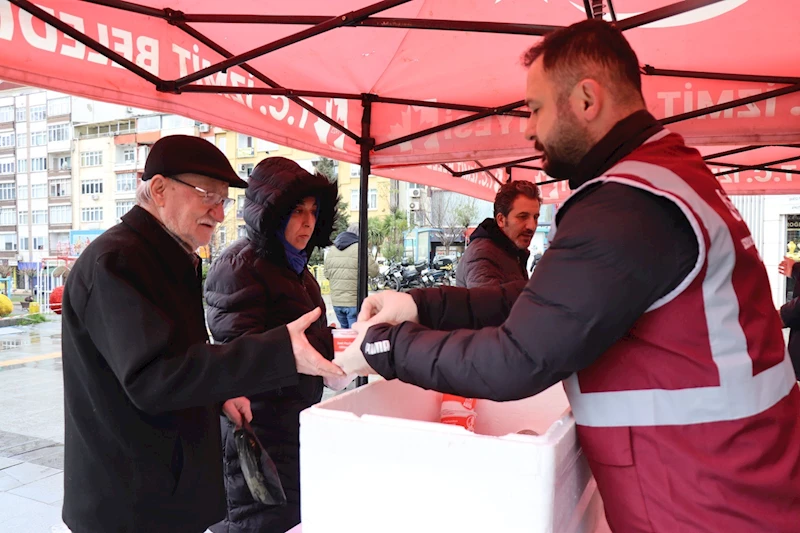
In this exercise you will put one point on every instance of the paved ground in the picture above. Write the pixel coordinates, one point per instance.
(32, 427)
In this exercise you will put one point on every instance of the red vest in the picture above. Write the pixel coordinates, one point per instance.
(691, 422)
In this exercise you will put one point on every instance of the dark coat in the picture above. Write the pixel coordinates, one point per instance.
(491, 258)
(142, 386)
(250, 288)
(790, 315)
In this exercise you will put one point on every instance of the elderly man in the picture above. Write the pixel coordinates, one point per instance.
(652, 305)
(142, 385)
(498, 248)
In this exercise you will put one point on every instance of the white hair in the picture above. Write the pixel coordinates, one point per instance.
(144, 196)
(353, 228)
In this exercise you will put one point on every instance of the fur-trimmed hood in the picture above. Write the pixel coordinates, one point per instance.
(275, 186)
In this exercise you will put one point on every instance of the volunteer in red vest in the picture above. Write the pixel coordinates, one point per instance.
(651, 305)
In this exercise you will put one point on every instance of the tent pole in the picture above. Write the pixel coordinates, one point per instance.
(367, 142)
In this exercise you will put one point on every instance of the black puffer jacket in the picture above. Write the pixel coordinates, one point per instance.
(251, 288)
(491, 258)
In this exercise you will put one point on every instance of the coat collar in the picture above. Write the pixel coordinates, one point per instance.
(173, 255)
(488, 229)
(622, 139)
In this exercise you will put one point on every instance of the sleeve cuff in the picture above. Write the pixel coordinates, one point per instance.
(378, 349)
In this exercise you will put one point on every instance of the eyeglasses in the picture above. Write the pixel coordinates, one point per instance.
(209, 198)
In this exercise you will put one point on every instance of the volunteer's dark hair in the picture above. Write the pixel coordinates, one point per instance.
(589, 49)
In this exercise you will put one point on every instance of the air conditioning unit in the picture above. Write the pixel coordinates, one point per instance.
(416, 193)
(95, 197)
(204, 128)
(413, 206)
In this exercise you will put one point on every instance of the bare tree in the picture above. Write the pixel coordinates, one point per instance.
(449, 215)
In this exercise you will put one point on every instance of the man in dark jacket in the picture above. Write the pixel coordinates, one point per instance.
(142, 385)
(790, 311)
(498, 248)
(651, 305)
(258, 284)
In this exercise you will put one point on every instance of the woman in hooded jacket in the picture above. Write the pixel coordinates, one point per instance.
(258, 283)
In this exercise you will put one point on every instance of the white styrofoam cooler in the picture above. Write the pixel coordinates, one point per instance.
(376, 459)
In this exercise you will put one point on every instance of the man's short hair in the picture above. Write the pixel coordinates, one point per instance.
(353, 228)
(589, 49)
(509, 192)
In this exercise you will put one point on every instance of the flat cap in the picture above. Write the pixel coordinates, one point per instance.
(184, 154)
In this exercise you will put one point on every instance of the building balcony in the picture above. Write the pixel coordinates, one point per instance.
(130, 166)
(59, 146)
(8, 150)
(64, 171)
(245, 152)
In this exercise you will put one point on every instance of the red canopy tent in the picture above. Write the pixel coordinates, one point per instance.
(403, 83)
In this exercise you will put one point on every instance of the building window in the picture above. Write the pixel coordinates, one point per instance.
(222, 143)
(124, 207)
(240, 206)
(372, 199)
(23, 192)
(7, 167)
(22, 140)
(60, 187)
(126, 182)
(223, 234)
(38, 112)
(92, 187)
(128, 155)
(38, 138)
(354, 199)
(61, 163)
(91, 159)
(22, 218)
(39, 190)
(170, 122)
(91, 214)
(61, 214)
(24, 243)
(8, 216)
(8, 241)
(151, 123)
(241, 231)
(355, 171)
(59, 132)
(38, 164)
(38, 243)
(7, 191)
(7, 113)
(244, 141)
(39, 216)
(22, 166)
(22, 114)
(58, 106)
(7, 139)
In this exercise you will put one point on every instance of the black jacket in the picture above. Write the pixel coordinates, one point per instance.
(617, 250)
(250, 288)
(491, 258)
(142, 387)
(790, 315)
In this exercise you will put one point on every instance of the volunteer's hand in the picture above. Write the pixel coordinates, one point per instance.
(308, 360)
(352, 360)
(785, 266)
(388, 306)
(236, 409)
